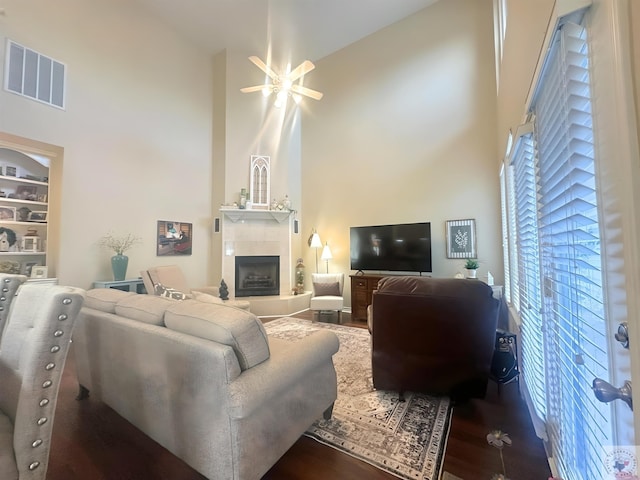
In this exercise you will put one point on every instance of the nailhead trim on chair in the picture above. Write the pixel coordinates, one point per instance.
(47, 383)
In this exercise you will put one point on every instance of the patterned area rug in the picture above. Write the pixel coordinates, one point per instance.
(406, 439)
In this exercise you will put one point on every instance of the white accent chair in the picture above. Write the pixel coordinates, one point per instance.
(33, 352)
(327, 293)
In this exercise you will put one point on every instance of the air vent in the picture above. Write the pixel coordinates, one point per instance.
(33, 75)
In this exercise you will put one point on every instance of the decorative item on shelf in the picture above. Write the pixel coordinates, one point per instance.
(27, 192)
(30, 244)
(9, 266)
(39, 271)
(260, 184)
(23, 214)
(315, 242)
(119, 244)
(37, 217)
(8, 239)
(286, 203)
(8, 214)
(472, 267)
(326, 255)
(224, 290)
(299, 277)
(243, 198)
(274, 204)
(10, 171)
(489, 279)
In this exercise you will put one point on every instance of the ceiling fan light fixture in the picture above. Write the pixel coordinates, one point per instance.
(281, 98)
(284, 86)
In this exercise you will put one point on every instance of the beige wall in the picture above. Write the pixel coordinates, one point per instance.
(406, 133)
(136, 132)
(526, 26)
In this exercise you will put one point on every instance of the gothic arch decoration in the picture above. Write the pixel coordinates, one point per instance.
(260, 190)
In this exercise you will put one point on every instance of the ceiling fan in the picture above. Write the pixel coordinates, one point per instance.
(283, 85)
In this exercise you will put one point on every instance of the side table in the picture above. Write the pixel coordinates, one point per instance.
(133, 285)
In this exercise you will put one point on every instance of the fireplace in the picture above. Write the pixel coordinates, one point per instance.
(257, 275)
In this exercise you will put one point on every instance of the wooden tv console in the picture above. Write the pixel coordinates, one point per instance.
(362, 287)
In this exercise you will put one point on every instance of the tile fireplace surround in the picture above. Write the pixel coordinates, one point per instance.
(261, 232)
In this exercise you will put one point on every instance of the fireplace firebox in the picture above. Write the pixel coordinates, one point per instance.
(257, 275)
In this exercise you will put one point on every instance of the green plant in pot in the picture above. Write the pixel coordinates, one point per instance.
(472, 266)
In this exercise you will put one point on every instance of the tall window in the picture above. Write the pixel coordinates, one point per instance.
(557, 282)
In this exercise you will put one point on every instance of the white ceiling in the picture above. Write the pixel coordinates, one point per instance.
(299, 29)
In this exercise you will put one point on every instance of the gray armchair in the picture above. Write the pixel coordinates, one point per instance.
(33, 351)
(9, 284)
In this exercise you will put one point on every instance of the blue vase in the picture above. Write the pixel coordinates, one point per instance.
(119, 266)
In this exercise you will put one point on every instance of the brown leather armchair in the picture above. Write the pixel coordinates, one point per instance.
(433, 335)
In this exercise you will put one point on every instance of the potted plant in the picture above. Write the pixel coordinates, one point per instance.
(472, 266)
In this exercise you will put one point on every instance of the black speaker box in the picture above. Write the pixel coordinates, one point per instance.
(504, 365)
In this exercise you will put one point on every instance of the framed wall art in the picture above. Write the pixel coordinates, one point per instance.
(174, 238)
(461, 239)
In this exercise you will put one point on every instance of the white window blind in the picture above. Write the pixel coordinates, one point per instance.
(505, 234)
(528, 276)
(571, 264)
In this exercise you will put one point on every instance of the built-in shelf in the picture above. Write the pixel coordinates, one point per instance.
(20, 254)
(235, 214)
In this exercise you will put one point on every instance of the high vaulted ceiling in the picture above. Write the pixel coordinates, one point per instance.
(299, 29)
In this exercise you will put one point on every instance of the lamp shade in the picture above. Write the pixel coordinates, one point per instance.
(315, 241)
(326, 252)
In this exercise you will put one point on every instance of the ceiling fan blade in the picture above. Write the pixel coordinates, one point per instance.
(263, 66)
(302, 69)
(306, 91)
(256, 88)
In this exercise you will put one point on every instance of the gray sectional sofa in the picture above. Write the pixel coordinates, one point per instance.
(203, 380)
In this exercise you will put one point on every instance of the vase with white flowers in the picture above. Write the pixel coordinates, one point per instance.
(119, 244)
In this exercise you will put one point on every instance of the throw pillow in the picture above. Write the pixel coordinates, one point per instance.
(326, 289)
(168, 292)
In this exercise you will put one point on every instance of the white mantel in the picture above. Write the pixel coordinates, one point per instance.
(257, 232)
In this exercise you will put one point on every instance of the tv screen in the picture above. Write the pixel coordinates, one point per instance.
(404, 247)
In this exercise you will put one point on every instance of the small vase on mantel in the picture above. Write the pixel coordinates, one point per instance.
(119, 265)
(472, 273)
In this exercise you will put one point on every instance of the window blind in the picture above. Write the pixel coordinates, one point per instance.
(575, 342)
(528, 277)
(505, 234)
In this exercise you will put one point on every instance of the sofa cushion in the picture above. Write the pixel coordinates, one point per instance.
(168, 292)
(105, 299)
(322, 289)
(144, 308)
(230, 326)
(206, 298)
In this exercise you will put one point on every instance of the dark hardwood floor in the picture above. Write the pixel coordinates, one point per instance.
(91, 442)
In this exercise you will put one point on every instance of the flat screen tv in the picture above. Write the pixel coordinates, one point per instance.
(399, 248)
